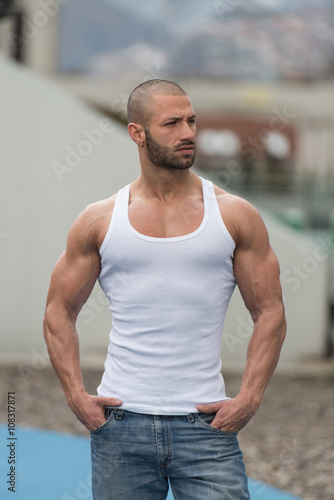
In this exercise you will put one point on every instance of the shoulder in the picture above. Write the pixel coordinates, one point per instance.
(91, 225)
(96, 211)
(241, 218)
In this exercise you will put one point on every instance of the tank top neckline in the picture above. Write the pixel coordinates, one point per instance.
(172, 238)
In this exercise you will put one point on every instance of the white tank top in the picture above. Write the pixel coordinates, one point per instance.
(168, 298)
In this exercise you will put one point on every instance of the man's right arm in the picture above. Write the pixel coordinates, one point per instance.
(72, 281)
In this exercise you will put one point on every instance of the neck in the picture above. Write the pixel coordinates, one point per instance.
(165, 184)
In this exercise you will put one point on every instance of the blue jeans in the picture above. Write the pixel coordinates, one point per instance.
(135, 455)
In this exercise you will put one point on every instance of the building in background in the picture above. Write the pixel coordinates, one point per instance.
(29, 30)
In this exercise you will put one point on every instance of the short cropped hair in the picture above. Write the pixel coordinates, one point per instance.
(137, 109)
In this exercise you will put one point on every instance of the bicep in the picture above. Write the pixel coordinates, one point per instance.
(256, 268)
(73, 281)
(74, 275)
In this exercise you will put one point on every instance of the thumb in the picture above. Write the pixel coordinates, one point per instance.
(109, 401)
(207, 408)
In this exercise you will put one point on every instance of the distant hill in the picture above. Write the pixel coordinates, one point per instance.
(89, 29)
(298, 46)
(256, 39)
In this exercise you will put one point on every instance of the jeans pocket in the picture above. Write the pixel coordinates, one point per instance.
(109, 415)
(205, 420)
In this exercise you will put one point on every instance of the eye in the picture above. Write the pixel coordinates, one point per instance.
(170, 123)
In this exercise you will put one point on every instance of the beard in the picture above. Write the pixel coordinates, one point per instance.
(164, 157)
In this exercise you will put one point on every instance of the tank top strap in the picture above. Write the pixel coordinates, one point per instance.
(124, 195)
(211, 201)
(208, 192)
(118, 212)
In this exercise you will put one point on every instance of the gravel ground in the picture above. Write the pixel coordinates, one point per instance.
(288, 444)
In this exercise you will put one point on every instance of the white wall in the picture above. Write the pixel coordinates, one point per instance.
(44, 134)
(39, 126)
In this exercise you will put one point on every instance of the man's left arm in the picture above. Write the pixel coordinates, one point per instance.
(257, 273)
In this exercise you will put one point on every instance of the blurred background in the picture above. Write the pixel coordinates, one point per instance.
(260, 75)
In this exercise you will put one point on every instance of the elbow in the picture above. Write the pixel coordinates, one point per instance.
(51, 320)
(283, 328)
(278, 312)
(274, 317)
(46, 327)
(283, 319)
(57, 318)
(279, 331)
(281, 325)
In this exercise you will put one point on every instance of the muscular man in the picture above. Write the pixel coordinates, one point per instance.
(168, 251)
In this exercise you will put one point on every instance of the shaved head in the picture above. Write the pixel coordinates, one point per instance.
(140, 100)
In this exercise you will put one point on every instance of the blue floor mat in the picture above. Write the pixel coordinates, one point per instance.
(55, 466)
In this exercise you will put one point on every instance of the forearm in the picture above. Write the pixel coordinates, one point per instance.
(262, 357)
(263, 354)
(63, 347)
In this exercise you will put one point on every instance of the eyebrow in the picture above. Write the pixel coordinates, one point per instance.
(178, 118)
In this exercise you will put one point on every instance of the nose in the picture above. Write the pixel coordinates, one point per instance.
(187, 131)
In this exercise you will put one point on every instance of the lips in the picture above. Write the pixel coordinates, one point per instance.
(187, 148)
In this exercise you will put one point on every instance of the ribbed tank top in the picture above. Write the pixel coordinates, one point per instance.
(168, 298)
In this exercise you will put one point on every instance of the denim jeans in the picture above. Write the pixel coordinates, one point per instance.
(135, 457)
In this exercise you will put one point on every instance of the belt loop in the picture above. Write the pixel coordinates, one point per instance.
(190, 418)
(119, 414)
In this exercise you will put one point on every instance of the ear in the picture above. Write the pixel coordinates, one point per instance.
(137, 133)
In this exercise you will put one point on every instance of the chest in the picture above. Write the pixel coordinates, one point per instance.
(162, 220)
